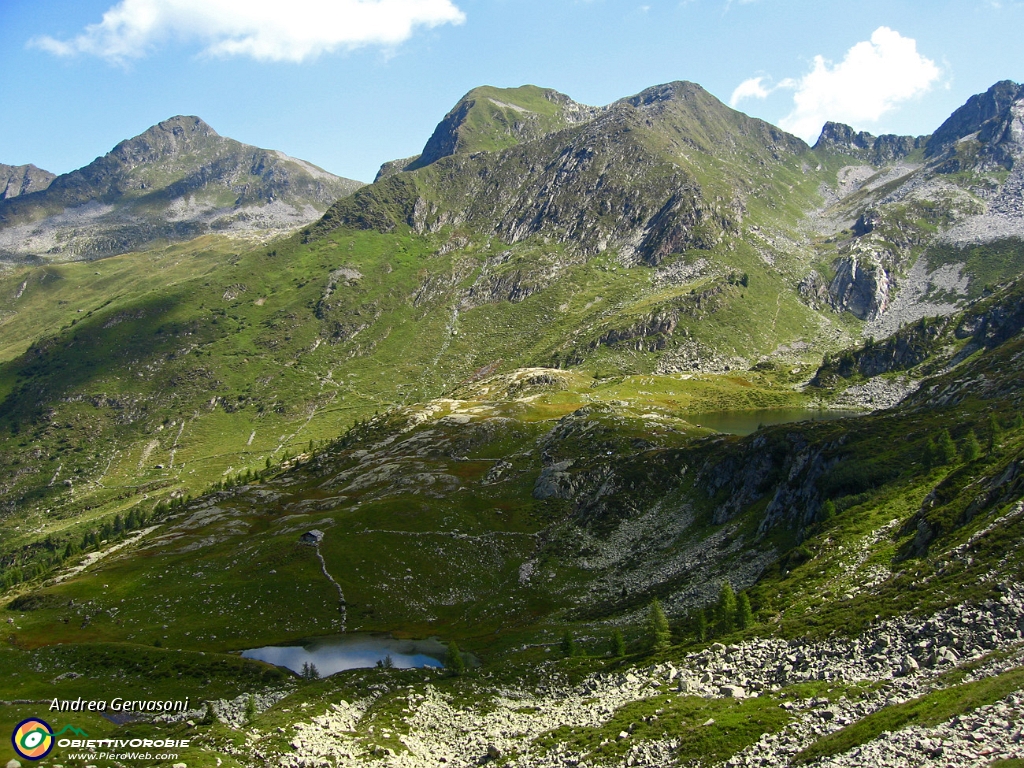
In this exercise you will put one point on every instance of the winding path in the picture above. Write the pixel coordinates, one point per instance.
(342, 604)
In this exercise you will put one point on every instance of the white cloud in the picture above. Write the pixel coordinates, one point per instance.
(875, 77)
(752, 88)
(267, 30)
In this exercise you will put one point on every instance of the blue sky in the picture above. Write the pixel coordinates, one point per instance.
(349, 84)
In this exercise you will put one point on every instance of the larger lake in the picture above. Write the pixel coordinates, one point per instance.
(747, 422)
(352, 651)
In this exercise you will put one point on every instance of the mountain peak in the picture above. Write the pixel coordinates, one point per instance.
(990, 115)
(175, 136)
(489, 119)
(175, 180)
(17, 180)
(677, 90)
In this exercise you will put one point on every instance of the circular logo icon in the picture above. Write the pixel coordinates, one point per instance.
(32, 739)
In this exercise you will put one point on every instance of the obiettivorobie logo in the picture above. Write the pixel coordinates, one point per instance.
(34, 738)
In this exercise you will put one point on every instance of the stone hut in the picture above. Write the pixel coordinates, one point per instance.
(312, 537)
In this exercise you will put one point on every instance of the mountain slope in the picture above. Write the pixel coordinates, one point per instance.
(175, 181)
(662, 172)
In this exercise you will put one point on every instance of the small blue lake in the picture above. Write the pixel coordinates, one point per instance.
(747, 422)
(352, 651)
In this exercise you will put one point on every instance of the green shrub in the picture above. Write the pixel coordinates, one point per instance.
(828, 511)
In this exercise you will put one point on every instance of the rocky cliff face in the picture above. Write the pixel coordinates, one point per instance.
(18, 180)
(861, 285)
(877, 150)
(176, 180)
(994, 119)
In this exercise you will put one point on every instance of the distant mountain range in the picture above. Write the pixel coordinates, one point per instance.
(175, 181)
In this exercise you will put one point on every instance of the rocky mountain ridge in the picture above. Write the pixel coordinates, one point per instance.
(659, 174)
(626, 161)
(18, 180)
(177, 180)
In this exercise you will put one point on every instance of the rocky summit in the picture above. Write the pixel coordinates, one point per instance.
(673, 440)
(175, 181)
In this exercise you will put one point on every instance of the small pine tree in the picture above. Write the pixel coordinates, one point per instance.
(744, 614)
(250, 709)
(994, 432)
(208, 716)
(946, 448)
(700, 625)
(568, 644)
(726, 609)
(453, 661)
(661, 635)
(617, 645)
(972, 448)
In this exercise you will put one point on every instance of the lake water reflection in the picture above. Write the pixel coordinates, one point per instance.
(352, 651)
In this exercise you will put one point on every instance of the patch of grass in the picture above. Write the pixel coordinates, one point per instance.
(708, 729)
(928, 710)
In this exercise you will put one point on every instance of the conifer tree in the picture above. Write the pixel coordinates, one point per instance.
(744, 614)
(661, 635)
(618, 645)
(946, 448)
(700, 625)
(994, 431)
(726, 609)
(568, 644)
(453, 661)
(972, 448)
